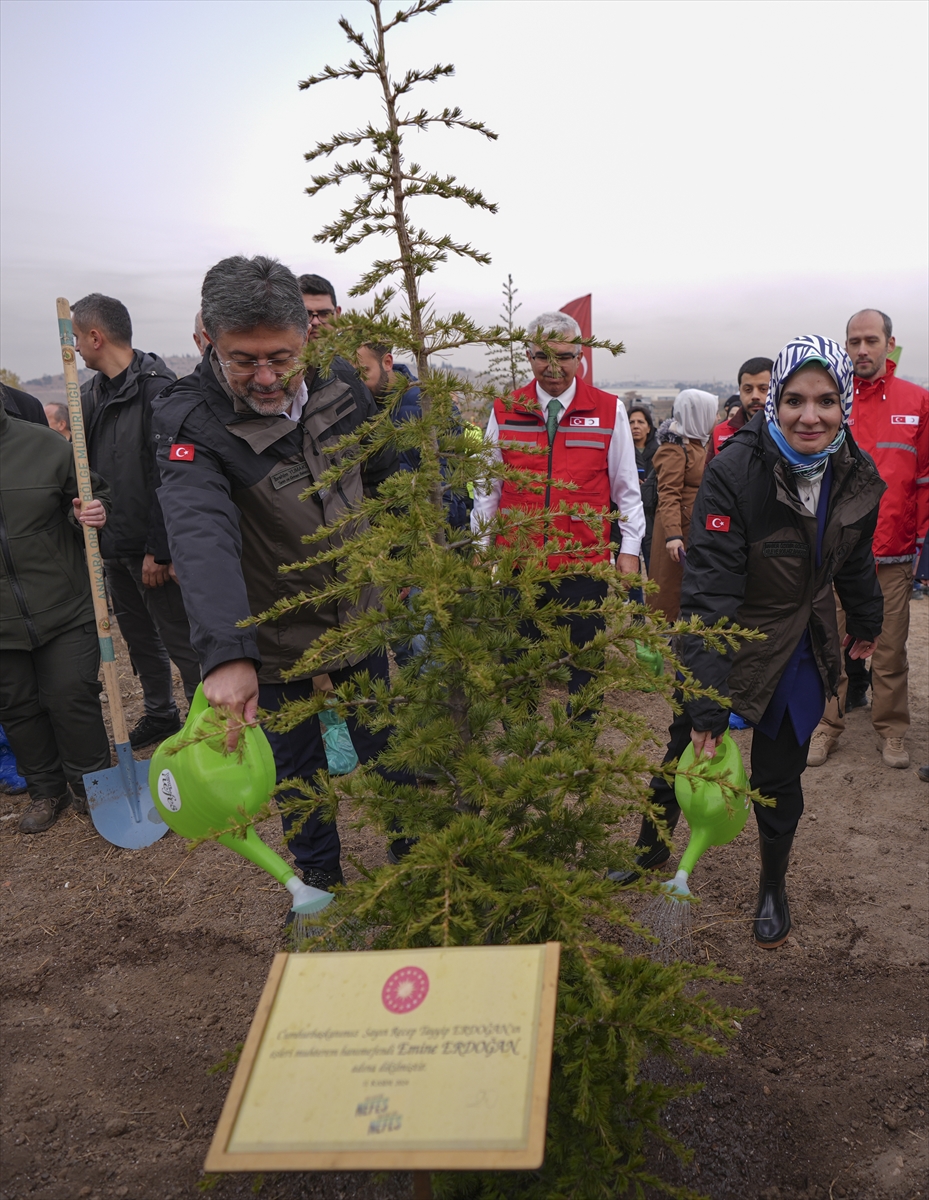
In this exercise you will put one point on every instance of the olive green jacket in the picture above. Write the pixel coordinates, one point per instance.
(44, 588)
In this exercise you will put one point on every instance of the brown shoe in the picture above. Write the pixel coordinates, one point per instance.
(43, 812)
(893, 752)
(821, 746)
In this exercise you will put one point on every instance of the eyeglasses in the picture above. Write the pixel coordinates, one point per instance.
(280, 365)
(320, 315)
(565, 358)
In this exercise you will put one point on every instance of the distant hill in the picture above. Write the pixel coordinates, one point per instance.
(52, 387)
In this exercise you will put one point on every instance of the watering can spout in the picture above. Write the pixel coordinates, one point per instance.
(307, 899)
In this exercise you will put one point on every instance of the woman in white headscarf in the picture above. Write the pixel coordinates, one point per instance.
(678, 463)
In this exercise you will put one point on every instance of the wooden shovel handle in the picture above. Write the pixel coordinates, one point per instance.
(91, 542)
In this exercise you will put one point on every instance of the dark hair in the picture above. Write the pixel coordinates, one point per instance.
(734, 400)
(379, 349)
(110, 316)
(315, 285)
(888, 324)
(755, 366)
(646, 413)
(240, 293)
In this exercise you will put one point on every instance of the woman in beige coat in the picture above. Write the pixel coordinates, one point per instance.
(678, 463)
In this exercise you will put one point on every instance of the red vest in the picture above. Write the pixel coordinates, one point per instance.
(578, 455)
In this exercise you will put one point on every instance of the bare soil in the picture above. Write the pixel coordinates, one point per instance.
(126, 974)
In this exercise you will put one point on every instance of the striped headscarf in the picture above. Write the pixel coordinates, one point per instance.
(803, 350)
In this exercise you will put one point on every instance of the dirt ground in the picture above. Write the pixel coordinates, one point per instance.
(126, 974)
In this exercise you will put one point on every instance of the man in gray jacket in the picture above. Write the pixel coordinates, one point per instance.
(239, 441)
(147, 601)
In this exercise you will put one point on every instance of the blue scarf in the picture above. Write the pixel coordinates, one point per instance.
(809, 348)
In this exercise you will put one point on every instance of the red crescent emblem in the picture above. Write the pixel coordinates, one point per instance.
(181, 452)
(716, 522)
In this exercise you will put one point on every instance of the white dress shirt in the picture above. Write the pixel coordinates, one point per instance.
(295, 412)
(623, 474)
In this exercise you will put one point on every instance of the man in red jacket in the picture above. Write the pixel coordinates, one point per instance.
(890, 420)
(754, 377)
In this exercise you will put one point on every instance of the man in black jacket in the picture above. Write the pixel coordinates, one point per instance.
(147, 601)
(238, 442)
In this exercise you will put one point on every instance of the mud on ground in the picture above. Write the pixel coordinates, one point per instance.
(126, 974)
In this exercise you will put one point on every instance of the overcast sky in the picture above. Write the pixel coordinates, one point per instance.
(721, 176)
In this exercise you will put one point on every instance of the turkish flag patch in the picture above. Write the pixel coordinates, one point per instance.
(181, 452)
(718, 523)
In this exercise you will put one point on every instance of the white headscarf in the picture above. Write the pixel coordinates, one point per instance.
(694, 414)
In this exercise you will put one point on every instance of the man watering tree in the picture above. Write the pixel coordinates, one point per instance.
(238, 442)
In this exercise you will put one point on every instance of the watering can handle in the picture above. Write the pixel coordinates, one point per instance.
(198, 705)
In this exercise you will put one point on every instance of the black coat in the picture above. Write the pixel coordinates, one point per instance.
(22, 405)
(120, 448)
(751, 558)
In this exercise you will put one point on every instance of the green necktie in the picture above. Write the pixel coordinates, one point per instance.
(554, 412)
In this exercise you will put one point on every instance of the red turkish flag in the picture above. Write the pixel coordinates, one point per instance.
(579, 309)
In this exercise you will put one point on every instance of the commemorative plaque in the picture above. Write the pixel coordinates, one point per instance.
(399, 1059)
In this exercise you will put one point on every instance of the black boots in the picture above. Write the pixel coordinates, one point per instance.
(153, 729)
(772, 916)
(654, 851)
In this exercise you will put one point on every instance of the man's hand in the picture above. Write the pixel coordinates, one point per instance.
(859, 648)
(674, 548)
(93, 515)
(154, 574)
(705, 743)
(232, 690)
(627, 564)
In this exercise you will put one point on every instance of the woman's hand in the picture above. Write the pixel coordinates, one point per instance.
(674, 548)
(93, 515)
(705, 743)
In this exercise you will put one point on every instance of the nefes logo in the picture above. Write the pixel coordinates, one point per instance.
(181, 453)
(905, 419)
(718, 523)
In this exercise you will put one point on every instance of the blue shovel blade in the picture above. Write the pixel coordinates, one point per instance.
(121, 805)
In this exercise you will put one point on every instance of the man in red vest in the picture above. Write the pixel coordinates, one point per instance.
(890, 420)
(586, 432)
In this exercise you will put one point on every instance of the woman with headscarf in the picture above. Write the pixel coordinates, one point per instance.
(785, 514)
(678, 462)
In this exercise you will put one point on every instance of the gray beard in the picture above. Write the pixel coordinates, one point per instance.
(275, 408)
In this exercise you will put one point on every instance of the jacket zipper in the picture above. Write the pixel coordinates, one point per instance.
(16, 586)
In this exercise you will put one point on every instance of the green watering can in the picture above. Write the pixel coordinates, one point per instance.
(201, 787)
(704, 806)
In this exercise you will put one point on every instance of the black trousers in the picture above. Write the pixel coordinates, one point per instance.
(300, 753)
(571, 590)
(154, 625)
(777, 764)
(50, 709)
